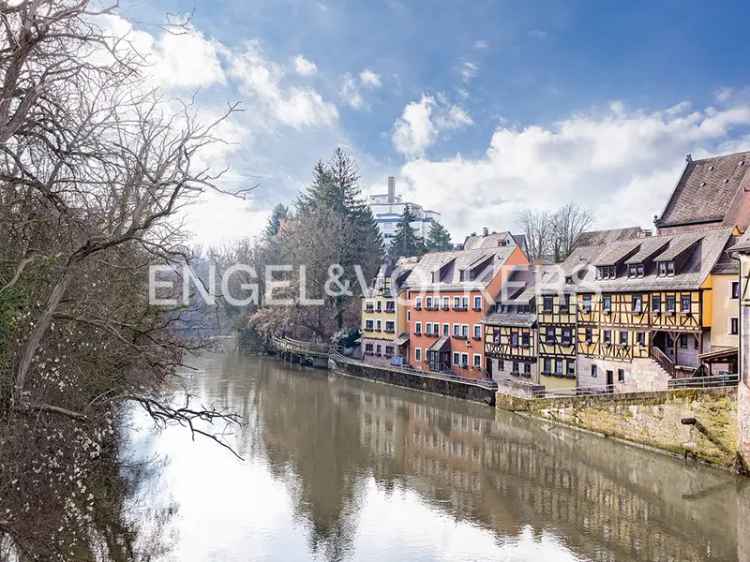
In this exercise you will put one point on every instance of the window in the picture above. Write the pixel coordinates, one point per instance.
(664, 268)
(446, 329)
(685, 302)
(565, 306)
(571, 368)
(671, 304)
(594, 374)
(429, 303)
(515, 367)
(428, 328)
(549, 335)
(456, 330)
(606, 272)
(446, 302)
(418, 355)
(464, 360)
(547, 365)
(734, 326)
(500, 365)
(586, 303)
(558, 366)
(620, 375)
(636, 303)
(369, 325)
(465, 330)
(378, 349)
(477, 303)
(607, 336)
(567, 336)
(607, 303)
(464, 302)
(408, 314)
(477, 331)
(525, 339)
(683, 341)
(390, 326)
(656, 304)
(456, 359)
(623, 337)
(368, 348)
(635, 270)
(379, 326)
(640, 338)
(735, 289)
(418, 328)
(513, 339)
(527, 369)
(477, 360)
(418, 303)
(589, 335)
(456, 302)
(547, 303)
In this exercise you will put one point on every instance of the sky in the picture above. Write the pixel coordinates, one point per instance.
(480, 109)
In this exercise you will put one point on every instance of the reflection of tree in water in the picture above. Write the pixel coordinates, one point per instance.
(81, 506)
(311, 438)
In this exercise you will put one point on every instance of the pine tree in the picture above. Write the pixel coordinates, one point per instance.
(405, 243)
(438, 239)
(279, 214)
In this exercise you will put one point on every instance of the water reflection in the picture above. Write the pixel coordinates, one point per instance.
(343, 469)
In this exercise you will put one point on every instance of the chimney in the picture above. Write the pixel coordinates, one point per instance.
(391, 189)
(689, 158)
(485, 231)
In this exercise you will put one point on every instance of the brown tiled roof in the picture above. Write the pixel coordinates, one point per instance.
(706, 190)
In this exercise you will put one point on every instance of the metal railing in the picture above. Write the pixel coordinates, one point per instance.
(441, 375)
(664, 362)
(714, 381)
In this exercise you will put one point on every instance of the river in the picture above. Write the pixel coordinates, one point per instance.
(337, 468)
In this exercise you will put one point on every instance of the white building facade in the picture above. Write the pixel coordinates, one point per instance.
(388, 208)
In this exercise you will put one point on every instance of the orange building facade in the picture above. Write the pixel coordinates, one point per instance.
(444, 315)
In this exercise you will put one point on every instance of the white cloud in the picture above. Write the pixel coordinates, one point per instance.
(622, 164)
(350, 93)
(304, 67)
(262, 80)
(469, 71)
(481, 44)
(370, 79)
(724, 94)
(421, 122)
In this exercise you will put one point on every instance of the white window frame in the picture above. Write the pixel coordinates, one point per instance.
(418, 354)
(456, 358)
(465, 330)
(444, 329)
(477, 360)
(456, 330)
(478, 331)
(478, 299)
(418, 327)
(464, 356)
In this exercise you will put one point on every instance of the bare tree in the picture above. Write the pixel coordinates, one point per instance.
(94, 171)
(537, 226)
(553, 235)
(568, 223)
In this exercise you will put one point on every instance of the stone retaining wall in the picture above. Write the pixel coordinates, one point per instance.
(457, 389)
(651, 418)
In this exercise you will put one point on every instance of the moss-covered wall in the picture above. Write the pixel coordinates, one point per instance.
(650, 418)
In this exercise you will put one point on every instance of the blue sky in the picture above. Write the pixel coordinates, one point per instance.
(480, 108)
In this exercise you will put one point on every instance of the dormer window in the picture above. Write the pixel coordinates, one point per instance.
(636, 270)
(606, 271)
(665, 268)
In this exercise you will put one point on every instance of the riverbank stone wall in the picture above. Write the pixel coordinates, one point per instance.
(653, 419)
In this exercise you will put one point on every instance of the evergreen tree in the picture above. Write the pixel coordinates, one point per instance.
(405, 243)
(279, 214)
(438, 239)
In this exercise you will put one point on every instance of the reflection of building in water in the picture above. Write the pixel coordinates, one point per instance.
(606, 501)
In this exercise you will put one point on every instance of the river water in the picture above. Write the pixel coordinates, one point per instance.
(337, 468)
